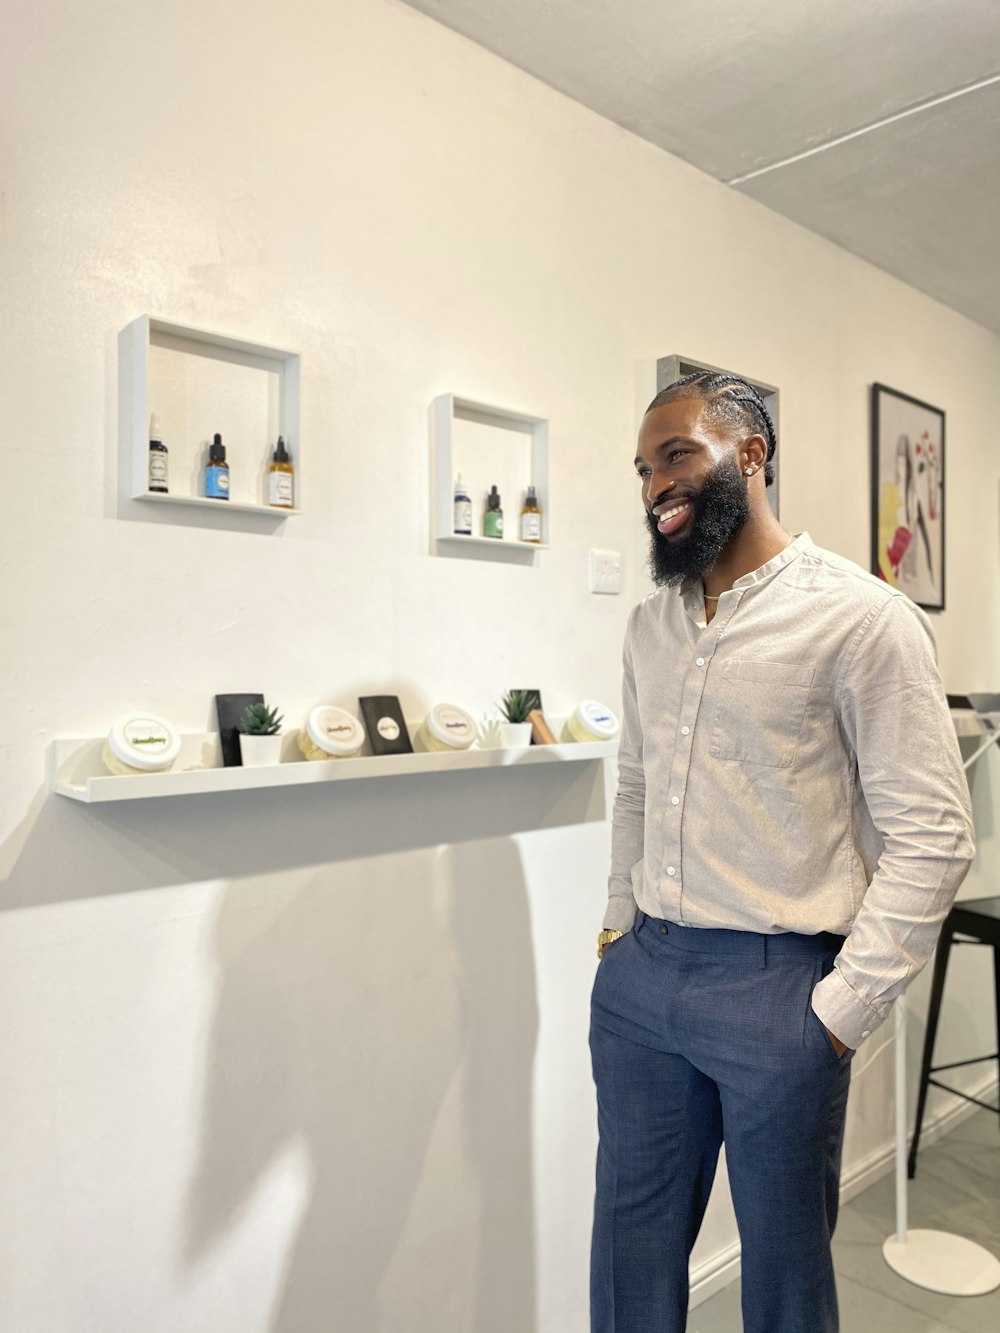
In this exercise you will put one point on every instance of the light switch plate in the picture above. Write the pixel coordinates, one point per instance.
(605, 571)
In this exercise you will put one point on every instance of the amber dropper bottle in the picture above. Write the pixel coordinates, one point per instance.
(531, 518)
(281, 478)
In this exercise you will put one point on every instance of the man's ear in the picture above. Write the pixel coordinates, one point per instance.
(753, 453)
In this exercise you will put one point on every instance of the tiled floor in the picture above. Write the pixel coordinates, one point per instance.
(957, 1189)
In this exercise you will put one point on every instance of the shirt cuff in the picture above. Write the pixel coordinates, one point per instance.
(620, 914)
(841, 1010)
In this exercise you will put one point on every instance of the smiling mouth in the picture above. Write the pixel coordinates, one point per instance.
(671, 518)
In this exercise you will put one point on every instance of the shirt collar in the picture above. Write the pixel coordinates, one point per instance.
(692, 590)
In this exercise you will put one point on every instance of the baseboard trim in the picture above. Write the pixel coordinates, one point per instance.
(716, 1272)
(880, 1162)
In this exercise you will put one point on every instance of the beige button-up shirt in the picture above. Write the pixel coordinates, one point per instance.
(793, 766)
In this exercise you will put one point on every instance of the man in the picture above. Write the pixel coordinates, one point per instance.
(791, 826)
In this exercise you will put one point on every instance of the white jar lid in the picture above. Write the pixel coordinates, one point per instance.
(595, 717)
(335, 730)
(452, 726)
(143, 740)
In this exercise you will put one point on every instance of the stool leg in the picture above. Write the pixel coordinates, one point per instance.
(996, 984)
(933, 1013)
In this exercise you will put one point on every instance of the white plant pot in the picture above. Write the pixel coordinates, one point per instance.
(515, 735)
(256, 751)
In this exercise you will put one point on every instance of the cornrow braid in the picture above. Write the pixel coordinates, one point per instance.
(727, 398)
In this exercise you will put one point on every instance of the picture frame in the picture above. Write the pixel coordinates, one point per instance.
(908, 495)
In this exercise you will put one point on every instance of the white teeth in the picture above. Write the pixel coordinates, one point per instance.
(669, 513)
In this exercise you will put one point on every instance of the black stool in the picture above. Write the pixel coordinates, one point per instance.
(980, 919)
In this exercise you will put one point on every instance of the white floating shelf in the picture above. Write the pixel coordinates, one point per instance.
(985, 726)
(488, 445)
(966, 722)
(270, 511)
(494, 542)
(77, 771)
(197, 413)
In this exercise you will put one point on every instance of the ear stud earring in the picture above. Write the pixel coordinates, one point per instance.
(749, 471)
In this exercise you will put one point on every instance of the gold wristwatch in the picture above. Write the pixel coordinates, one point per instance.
(605, 938)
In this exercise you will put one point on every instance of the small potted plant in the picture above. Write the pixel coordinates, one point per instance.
(515, 732)
(260, 735)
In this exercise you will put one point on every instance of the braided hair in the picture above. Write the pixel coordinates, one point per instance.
(727, 398)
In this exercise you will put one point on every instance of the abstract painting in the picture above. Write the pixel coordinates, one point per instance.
(908, 495)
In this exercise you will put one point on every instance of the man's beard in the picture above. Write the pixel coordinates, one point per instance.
(719, 511)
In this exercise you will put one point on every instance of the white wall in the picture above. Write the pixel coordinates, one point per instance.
(303, 1061)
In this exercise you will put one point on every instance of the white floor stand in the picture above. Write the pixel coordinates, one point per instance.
(936, 1260)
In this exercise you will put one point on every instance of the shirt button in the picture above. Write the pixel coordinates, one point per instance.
(866, 1034)
(675, 800)
(671, 870)
(699, 661)
(685, 731)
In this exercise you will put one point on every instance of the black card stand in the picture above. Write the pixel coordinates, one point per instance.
(387, 733)
(230, 708)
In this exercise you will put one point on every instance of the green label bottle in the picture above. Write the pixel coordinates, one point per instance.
(493, 517)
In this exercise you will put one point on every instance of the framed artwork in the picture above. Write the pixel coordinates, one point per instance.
(908, 495)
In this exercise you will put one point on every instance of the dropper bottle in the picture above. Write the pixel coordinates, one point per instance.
(281, 478)
(493, 517)
(217, 471)
(462, 524)
(158, 476)
(531, 518)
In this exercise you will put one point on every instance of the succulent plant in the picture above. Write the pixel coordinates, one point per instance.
(517, 704)
(259, 720)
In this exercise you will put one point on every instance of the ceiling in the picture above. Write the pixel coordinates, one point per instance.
(875, 123)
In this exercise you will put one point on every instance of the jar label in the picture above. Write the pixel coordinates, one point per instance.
(388, 728)
(338, 731)
(146, 736)
(455, 724)
(598, 719)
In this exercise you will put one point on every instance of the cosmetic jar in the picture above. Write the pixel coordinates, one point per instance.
(331, 733)
(140, 743)
(447, 727)
(591, 721)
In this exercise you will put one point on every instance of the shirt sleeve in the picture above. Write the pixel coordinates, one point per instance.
(896, 721)
(628, 819)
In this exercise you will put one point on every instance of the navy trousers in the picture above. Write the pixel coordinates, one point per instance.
(700, 1037)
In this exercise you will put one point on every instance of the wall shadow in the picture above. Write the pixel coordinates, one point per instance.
(375, 1011)
(63, 848)
(398, 1053)
(499, 1006)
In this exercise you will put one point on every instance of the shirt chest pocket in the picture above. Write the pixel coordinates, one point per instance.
(758, 712)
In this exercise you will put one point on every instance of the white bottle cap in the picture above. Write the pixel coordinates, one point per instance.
(143, 740)
(154, 429)
(335, 730)
(452, 726)
(598, 720)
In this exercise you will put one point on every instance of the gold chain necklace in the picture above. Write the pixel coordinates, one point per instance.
(714, 597)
